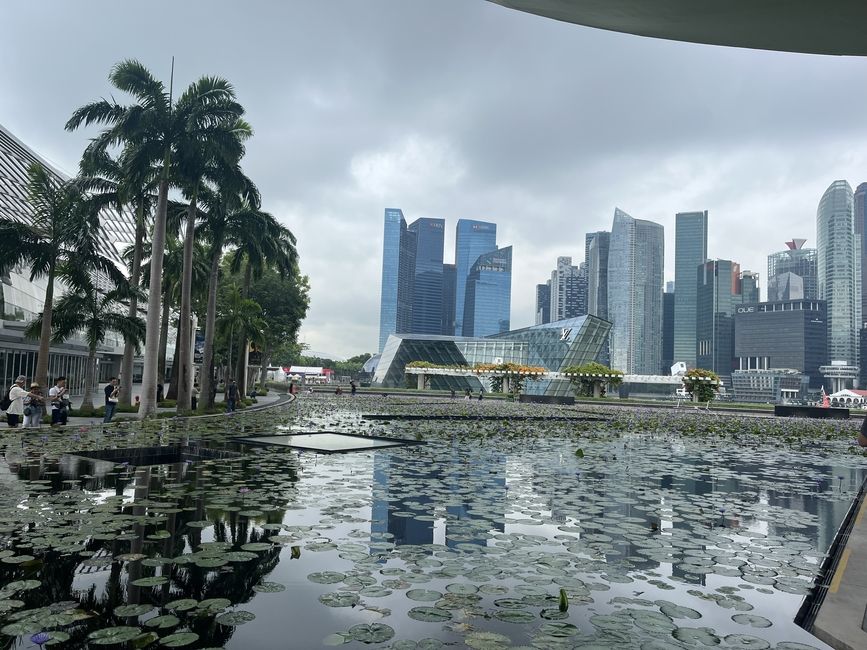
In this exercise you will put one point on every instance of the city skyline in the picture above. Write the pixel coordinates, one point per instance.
(458, 131)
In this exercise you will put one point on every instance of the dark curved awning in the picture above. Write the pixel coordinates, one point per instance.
(810, 26)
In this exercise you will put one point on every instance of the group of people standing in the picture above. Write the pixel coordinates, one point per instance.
(32, 404)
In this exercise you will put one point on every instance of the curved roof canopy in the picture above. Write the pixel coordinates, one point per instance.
(810, 26)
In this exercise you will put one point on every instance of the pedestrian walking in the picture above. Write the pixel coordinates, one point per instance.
(231, 396)
(112, 390)
(194, 397)
(17, 393)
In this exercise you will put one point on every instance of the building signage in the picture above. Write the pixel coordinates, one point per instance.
(745, 310)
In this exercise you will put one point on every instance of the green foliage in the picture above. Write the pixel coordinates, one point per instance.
(703, 384)
(584, 385)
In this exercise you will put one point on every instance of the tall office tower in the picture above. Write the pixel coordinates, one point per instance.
(860, 207)
(596, 245)
(488, 301)
(667, 329)
(839, 271)
(635, 264)
(799, 261)
(582, 289)
(748, 284)
(690, 250)
(398, 271)
(427, 299)
(449, 287)
(565, 290)
(717, 296)
(472, 238)
(543, 303)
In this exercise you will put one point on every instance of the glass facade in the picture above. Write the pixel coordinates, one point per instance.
(802, 262)
(690, 251)
(472, 239)
(398, 270)
(21, 299)
(596, 245)
(783, 334)
(717, 296)
(839, 271)
(449, 289)
(553, 346)
(749, 286)
(568, 290)
(543, 303)
(667, 332)
(427, 291)
(860, 208)
(488, 300)
(635, 280)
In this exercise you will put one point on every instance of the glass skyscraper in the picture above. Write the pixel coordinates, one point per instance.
(717, 283)
(796, 260)
(543, 303)
(839, 270)
(449, 287)
(860, 206)
(690, 251)
(398, 269)
(489, 294)
(568, 290)
(635, 280)
(596, 246)
(472, 238)
(427, 294)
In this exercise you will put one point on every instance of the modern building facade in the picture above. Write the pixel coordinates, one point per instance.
(596, 246)
(716, 299)
(488, 299)
(839, 271)
(543, 303)
(398, 276)
(449, 301)
(554, 346)
(769, 386)
(427, 292)
(789, 334)
(786, 286)
(749, 286)
(667, 332)
(568, 288)
(690, 251)
(21, 299)
(797, 260)
(472, 238)
(635, 279)
(859, 203)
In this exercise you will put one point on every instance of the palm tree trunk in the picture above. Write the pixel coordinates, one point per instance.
(45, 333)
(206, 400)
(183, 360)
(172, 392)
(129, 348)
(164, 339)
(244, 344)
(152, 337)
(89, 371)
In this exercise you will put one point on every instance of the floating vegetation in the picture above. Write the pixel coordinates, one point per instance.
(593, 528)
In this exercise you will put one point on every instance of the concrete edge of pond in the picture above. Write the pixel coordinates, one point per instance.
(841, 621)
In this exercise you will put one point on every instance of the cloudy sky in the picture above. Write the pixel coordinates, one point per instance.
(463, 109)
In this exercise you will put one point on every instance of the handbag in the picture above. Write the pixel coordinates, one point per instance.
(28, 410)
(113, 400)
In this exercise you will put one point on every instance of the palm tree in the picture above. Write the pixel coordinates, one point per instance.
(153, 130)
(230, 213)
(239, 314)
(272, 244)
(107, 180)
(63, 224)
(93, 313)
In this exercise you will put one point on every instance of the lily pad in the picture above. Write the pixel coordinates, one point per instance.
(179, 639)
(371, 633)
(430, 614)
(113, 635)
(238, 617)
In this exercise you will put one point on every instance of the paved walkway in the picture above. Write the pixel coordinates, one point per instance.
(842, 618)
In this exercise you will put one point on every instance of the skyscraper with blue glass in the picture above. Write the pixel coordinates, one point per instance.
(427, 299)
(690, 251)
(398, 269)
(488, 301)
(635, 279)
(472, 239)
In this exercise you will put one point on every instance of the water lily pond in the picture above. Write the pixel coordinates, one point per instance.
(511, 526)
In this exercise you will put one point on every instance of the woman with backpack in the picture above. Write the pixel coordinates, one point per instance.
(34, 407)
